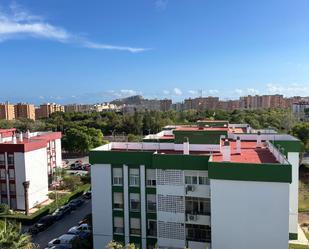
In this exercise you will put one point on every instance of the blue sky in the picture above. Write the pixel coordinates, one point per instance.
(92, 51)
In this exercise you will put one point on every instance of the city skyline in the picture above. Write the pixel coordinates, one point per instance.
(159, 48)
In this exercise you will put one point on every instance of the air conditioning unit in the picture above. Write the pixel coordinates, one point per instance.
(190, 188)
(192, 217)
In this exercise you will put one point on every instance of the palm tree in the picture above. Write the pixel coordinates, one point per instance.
(12, 238)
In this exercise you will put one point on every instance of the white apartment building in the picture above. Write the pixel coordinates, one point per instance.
(212, 185)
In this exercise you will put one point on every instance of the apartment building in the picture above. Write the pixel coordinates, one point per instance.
(213, 184)
(7, 111)
(45, 110)
(27, 162)
(165, 104)
(201, 103)
(24, 110)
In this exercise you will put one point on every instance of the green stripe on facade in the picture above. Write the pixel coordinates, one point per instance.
(180, 161)
(118, 213)
(293, 236)
(120, 157)
(250, 172)
(288, 146)
(150, 190)
(151, 216)
(199, 136)
(119, 238)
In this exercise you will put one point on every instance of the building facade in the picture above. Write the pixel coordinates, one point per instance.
(45, 110)
(28, 157)
(23, 110)
(211, 185)
(7, 111)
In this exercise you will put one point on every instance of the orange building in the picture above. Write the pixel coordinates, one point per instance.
(23, 110)
(45, 110)
(7, 111)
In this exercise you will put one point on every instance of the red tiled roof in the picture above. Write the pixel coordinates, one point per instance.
(249, 154)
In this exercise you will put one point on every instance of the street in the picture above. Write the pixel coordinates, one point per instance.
(63, 225)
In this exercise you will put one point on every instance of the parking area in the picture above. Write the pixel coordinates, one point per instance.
(63, 225)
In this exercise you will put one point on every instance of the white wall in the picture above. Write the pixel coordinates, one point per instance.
(126, 203)
(143, 207)
(20, 178)
(36, 173)
(102, 210)
(58, 153)
(293, 158)
(249, 214)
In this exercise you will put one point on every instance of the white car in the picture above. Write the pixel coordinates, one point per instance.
(63, 240)
(79, 229)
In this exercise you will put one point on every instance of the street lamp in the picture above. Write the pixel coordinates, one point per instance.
(26, 185)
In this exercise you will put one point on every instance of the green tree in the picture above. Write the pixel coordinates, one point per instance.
(12, 238)
(301, 131)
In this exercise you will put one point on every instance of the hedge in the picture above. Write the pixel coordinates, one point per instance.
(48, 209)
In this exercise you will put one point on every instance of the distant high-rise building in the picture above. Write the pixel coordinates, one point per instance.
(165, 104)
(23, 110)
(7, 111)
(45, 110)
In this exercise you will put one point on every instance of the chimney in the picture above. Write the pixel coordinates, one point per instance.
(258, 140)
(14, 140)
(226, 151)
(186, 147)
(20, 136)
(238, 145)
(28, 134)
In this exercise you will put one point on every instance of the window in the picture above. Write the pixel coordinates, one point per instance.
(117, 176)
(191, 179)
(2, 174)
(12, 174)
(151, 203)
(2, 160)
(203, 180)
(12, 189)
(197, 206)
(4, 200)
(135, 204)
(199, 233)
(118, 200)
(151, 177)
(152, 228)
(135, 226)
(3, 188)
(118, 225)
(10, 159)
(134, 177)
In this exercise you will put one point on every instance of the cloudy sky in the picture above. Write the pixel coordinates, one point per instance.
(91, 51)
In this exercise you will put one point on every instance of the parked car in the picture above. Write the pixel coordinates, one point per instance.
(58, 247)
(42, 224)
(76, 166)
(60, 212)
(79, 229)
(76, 203)
(86, 166)
(63, 240)
(79, 161)
(87, 195)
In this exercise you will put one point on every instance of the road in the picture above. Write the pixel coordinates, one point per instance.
(63, 225)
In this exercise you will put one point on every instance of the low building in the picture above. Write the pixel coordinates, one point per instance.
(27, 158)
(213, 184)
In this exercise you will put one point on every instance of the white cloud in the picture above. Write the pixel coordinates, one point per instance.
(213, 91)
(192, 92)
(238, 91)
(292, 89)
(166, 92)
(161, 4)
(17, 22)
(252, 91)
(177, 91)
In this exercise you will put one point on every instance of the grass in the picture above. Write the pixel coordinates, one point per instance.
(294, 246)
(303, 189)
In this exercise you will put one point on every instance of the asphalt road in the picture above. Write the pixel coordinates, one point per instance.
(63, 225)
